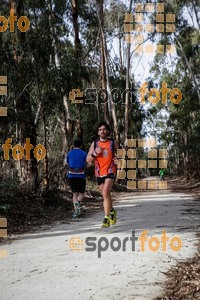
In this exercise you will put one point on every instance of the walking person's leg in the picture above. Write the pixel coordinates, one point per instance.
(78, 203)
(81, 184)
(75, 202)
(78, 190)
(80, 197)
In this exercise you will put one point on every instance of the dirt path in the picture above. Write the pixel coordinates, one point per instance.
(42, 265)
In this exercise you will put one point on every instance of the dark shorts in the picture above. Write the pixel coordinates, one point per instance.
(101, 180)
(77, 185)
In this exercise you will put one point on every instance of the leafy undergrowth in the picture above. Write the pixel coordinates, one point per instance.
(182, 184)
(27, 213)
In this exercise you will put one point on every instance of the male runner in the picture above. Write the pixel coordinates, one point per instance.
(102, 152)
(76, 160)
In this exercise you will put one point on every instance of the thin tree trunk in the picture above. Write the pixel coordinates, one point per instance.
(46, 162)
(195, 5)
(110, 98)
(190, 69)
(120, 50)
(103, 71)
(111, 104)
(66, 114)
(126, 120)
(74, 4)
(27, 169)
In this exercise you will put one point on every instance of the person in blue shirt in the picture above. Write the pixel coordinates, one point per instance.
(76, 161)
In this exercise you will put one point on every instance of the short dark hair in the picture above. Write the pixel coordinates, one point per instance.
(78, 143)
(103, 124)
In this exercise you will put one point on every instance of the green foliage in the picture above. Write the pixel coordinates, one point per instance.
(181, 127)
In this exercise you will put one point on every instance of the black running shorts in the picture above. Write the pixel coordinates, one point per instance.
(101, 180)
(77, 185)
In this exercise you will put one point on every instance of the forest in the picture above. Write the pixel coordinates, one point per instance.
(80, 50)
(65, 66)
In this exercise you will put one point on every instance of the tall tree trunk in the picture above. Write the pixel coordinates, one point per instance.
(74, 4)
(126, 119)
(111, 104)
(27, 169)
(191, 74)
(110, 98)
(196, 11)
(46, 161)
(103, 71)
(78, 53)
(55, 59)
(120, 49)
(66, 122)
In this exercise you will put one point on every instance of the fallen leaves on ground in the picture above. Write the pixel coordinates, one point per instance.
(183, 281)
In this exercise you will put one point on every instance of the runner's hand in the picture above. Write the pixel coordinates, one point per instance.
(98, 150)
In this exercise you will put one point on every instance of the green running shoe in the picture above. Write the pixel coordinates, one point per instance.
(75, 215)
(113, 217)
(106, 222)
(78, 208)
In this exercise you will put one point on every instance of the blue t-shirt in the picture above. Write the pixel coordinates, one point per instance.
(76, 159)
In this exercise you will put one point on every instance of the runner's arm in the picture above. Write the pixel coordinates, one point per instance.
(91, 154)
(116, 144)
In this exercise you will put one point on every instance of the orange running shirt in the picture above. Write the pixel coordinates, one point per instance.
(104, 163)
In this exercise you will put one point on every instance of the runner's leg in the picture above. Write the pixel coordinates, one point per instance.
(101, 187)
(107, 202)
(75, 196)
(80, 197)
